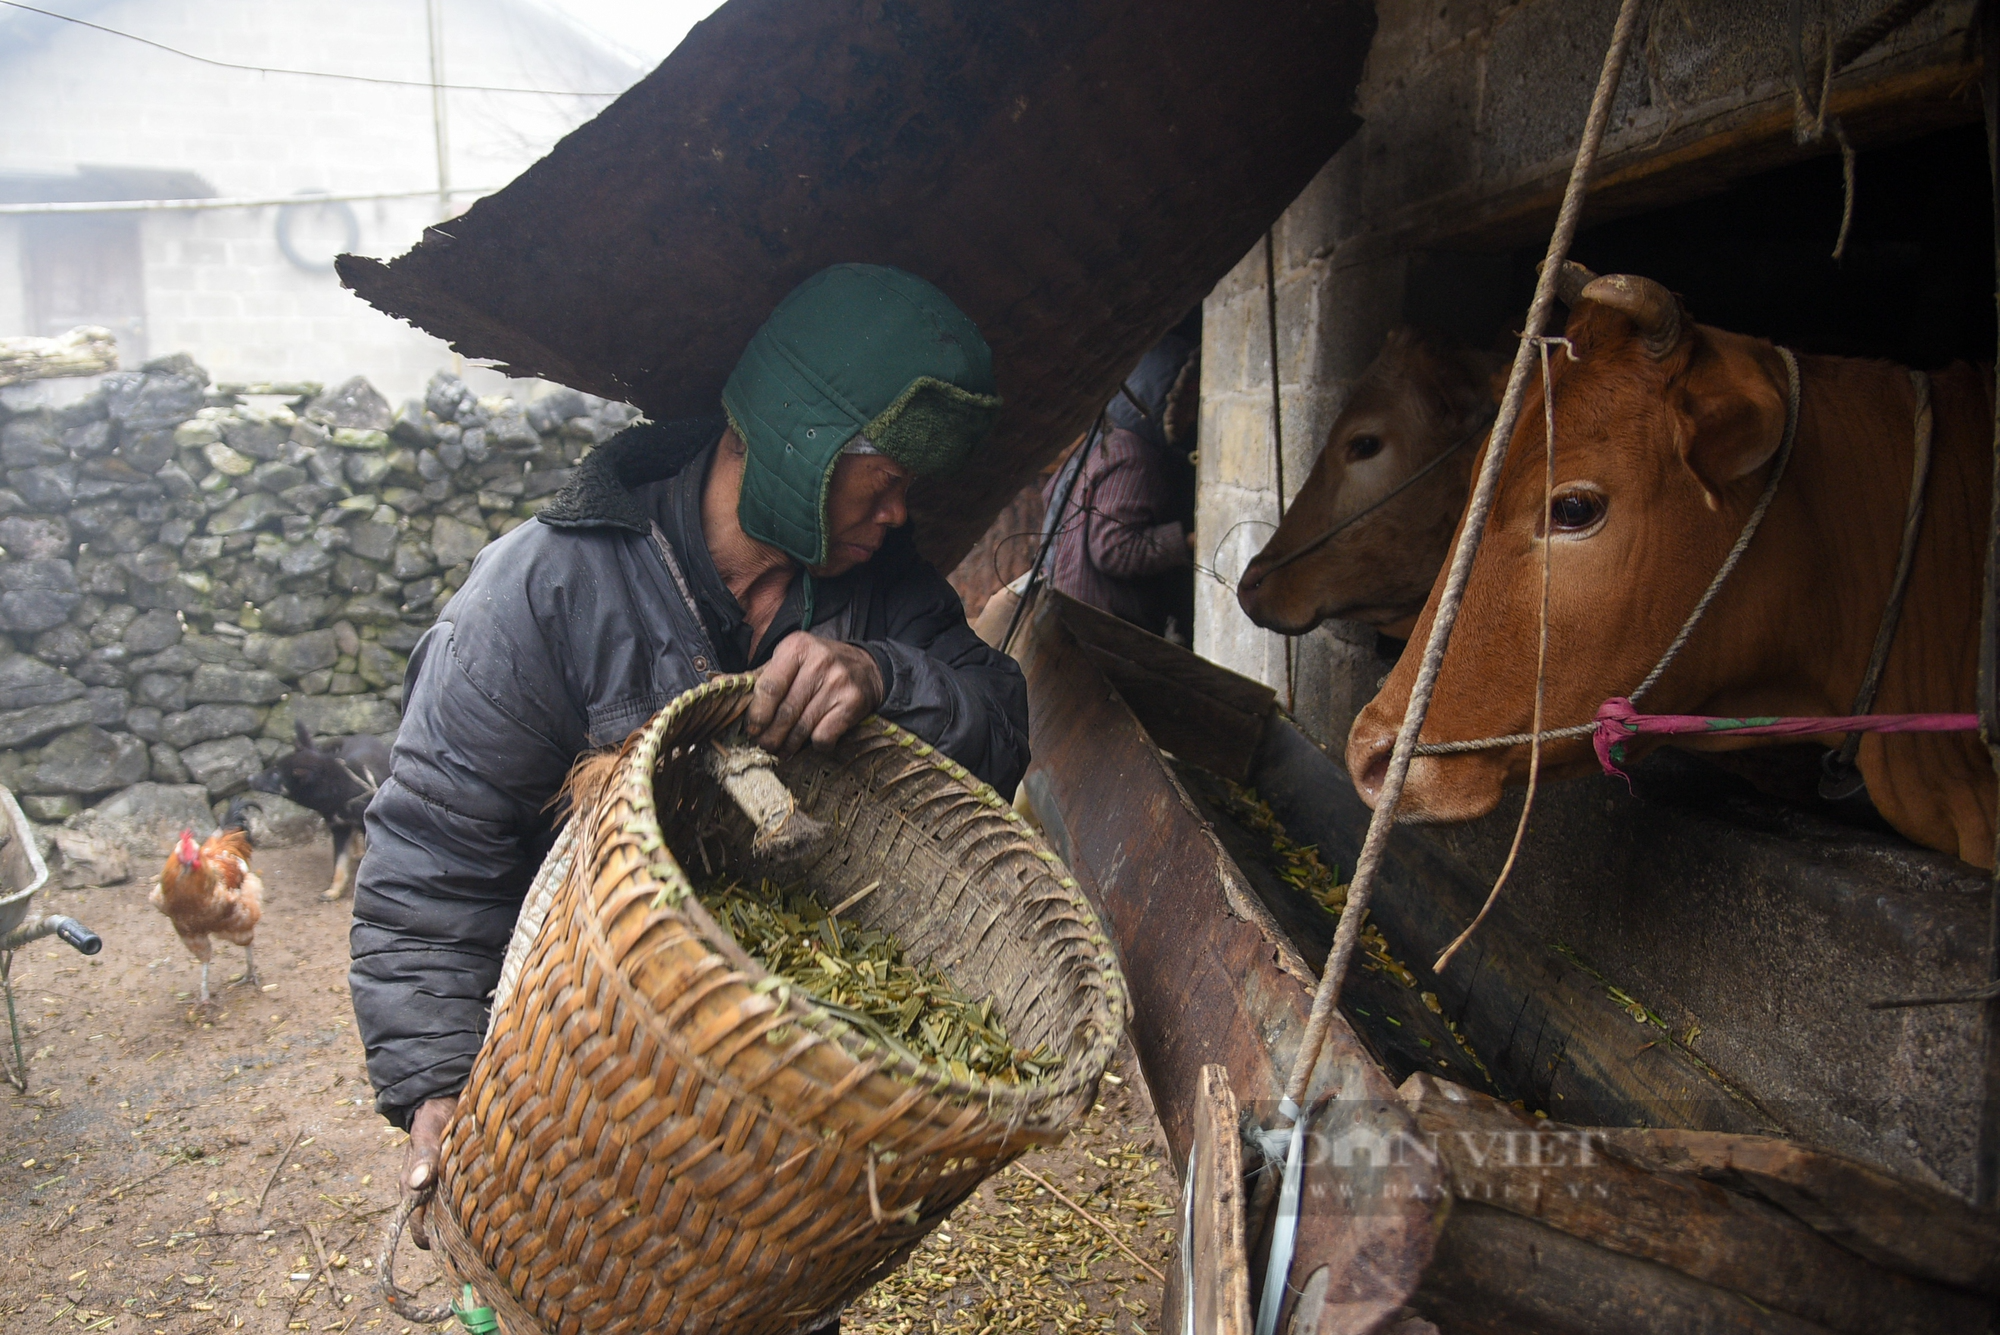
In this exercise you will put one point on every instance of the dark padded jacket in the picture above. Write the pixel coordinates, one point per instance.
(570, 633)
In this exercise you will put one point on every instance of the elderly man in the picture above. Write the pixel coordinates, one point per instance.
(772, 539)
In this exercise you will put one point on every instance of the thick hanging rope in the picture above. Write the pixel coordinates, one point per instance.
(1840, 773)
(1810, 119)
(1809, 114)
(1362, 888)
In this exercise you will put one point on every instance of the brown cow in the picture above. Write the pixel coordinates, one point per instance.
(1665, 437)
(1421, 396)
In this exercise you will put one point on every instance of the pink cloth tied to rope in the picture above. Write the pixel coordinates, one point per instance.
(1618, 721)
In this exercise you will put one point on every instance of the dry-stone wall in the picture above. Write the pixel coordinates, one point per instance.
(185, 575)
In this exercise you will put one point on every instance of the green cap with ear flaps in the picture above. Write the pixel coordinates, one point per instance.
(855, 350)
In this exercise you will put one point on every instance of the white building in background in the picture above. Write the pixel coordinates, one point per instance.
(250, 292)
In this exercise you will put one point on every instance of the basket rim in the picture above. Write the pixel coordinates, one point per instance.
(1080, 1069)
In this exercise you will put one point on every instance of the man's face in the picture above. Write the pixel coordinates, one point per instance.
(867, 498)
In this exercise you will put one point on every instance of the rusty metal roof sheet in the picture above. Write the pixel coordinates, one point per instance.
(1075, 173)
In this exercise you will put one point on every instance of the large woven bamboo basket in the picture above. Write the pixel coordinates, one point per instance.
(656, 1138)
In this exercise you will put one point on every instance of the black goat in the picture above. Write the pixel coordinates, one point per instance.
(337, 781)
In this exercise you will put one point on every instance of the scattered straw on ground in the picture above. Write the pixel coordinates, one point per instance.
(1014, 1258)
(162, 1176)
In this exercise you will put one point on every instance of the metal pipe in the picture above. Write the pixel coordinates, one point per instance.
(56, 924)
(243, 202)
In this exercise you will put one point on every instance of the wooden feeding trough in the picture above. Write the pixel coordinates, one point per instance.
(1658, 1193)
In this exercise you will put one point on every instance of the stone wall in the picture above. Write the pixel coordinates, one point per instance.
(185, 575)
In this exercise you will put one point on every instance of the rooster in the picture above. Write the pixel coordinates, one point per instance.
(209, 890)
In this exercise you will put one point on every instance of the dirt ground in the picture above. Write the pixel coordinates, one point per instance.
(175, 1170)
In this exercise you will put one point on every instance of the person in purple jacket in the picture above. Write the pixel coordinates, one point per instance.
(1123, 541)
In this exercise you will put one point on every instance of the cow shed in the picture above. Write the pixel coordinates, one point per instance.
(1715, 906)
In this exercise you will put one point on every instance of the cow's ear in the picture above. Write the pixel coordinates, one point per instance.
(1731, 409)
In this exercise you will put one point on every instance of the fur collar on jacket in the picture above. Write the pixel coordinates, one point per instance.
(600, 491)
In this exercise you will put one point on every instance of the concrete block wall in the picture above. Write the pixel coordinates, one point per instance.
(217, 281)
(1331, 321)
(13, 282)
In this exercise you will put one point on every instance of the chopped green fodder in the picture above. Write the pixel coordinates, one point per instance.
(864, 978)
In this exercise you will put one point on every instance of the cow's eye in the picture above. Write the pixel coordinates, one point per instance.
(1573, 511)
(1363, 447)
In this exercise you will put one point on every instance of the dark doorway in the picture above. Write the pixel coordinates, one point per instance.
(1915, 285)
(82, 270)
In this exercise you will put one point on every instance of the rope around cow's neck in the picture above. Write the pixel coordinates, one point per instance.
(1694, 617)
(1899, 583)
(1541, 652)
(1617, 722)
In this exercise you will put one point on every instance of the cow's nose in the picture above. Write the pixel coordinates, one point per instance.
(1374, 771)
(1253, 579)
(1368, 748)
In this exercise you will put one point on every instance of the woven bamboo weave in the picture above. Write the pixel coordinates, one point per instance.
(658, 1137)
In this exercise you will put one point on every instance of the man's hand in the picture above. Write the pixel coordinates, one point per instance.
(812, 690)
(420, 1158)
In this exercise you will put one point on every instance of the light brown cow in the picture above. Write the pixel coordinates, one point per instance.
(1666, 433)
(1421, 396)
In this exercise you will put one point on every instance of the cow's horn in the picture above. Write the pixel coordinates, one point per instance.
(1653, 311)
(1571, 279)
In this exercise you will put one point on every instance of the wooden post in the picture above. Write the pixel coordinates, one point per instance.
(1986, 1182)
(84, 350)
(1215, 1264)
(434, 35)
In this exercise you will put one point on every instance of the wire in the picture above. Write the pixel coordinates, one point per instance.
(303, 74)
(1055, 522)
